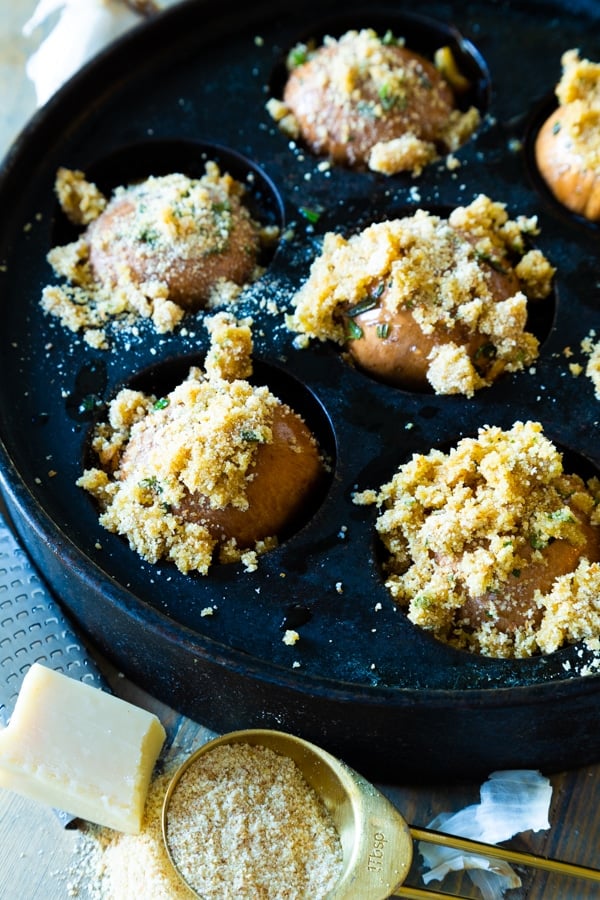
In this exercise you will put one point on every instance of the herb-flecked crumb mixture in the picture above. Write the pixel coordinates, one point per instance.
(171, 223)
(466, 526)
(592, 369)
(365, 98)
(590, 349)
(199, 440)
(440, 271)
(579, 91)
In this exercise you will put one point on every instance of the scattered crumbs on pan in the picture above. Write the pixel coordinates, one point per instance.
(207, 611)
(588, 659)
(590, 365)
(591, 348)
(290, 637)
(152, 251)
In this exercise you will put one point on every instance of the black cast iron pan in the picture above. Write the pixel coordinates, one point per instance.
(362, 680)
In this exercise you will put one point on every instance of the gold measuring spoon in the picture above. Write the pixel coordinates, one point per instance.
(377, 843)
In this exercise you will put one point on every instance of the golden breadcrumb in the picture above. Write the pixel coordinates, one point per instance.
(464, 525)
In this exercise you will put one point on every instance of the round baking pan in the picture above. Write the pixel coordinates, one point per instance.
(361, 680)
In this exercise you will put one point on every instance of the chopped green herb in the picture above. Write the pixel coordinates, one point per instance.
(148, 236)
(361, 307)
(311, 215)
(382, 330)
(556, 127)
(251, 436)
(561, 515)
(297, 56)
(386, 96)
(89, 403)
(536, 542)
(162, 403)
(354, 331)
(485, 352)
(491, 261)
(151, 484)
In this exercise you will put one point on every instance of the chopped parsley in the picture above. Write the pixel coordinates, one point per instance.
(492, 261)
(152, 484)
(354, 332)
(297, 56)
(361, 307)
(311, 215)
(251, 436)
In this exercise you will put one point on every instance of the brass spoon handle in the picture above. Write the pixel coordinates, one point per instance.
(515, 856)
(415, 893)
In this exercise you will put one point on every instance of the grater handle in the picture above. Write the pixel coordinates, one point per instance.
(34, 629)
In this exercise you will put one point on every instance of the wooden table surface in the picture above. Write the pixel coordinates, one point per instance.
(37, 853)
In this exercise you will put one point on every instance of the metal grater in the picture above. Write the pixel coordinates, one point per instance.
(33, 629)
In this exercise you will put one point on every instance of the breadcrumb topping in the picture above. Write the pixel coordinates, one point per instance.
(567, 146)
(579, 90)
(80, 199)
(465, 530)
(199, 440)
(367, 98)
(148, 248)
(592, 369)
(590, 347)
(441, 272)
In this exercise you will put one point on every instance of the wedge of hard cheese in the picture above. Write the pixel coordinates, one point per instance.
(80, 749)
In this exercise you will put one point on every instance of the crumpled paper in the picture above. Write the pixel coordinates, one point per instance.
(512, 801)
(84, 27)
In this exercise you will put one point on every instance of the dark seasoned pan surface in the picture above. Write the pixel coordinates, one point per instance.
(192, 86)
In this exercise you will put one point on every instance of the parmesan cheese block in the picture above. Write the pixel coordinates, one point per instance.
(79, 749)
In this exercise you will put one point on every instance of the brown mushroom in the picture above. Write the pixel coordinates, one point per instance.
(567, 146)
(188, 236)
(285, 472)
(366, 101)
(567, 152)
(512, 605)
